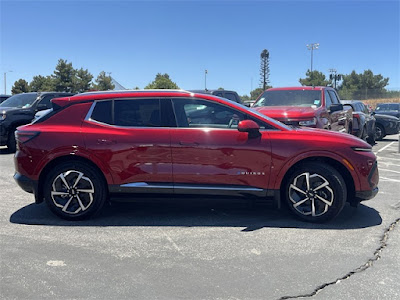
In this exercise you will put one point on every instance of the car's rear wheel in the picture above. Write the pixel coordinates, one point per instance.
(315, 192)
(74, 190)
(379, 132)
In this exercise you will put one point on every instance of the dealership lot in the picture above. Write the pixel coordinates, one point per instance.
(201, 250)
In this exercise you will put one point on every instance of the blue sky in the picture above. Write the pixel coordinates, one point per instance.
(135, 40)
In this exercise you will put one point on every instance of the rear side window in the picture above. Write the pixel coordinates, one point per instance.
(102, 112)
(137, 113)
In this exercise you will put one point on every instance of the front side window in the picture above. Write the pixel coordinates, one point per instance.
(328, 100)
(334, 98)
(200, 113)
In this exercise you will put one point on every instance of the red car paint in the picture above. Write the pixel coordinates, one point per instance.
(208, 157)
(339, 120)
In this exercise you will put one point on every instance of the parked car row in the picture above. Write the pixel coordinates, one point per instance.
(20, 109)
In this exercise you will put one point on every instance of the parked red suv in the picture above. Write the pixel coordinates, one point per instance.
(105, 145)
(316, 107)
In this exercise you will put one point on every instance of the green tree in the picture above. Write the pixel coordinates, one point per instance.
(40, 83)
(257, 92)
(20, 86)
(103, 82)
(245, 97)
(82, 82)
(363, 85)
(64, 77)
(162, 81)
(314, 78)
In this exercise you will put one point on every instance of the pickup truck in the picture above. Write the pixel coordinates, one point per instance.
(317, 107)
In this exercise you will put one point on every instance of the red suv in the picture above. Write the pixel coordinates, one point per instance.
(98, 146)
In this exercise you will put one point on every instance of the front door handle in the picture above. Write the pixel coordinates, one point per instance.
(105, 142)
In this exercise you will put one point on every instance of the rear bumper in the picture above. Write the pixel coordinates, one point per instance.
(28, 185)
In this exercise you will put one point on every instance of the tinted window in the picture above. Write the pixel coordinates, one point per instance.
(20, 101)
(231, 96)
(334, 98)
(137, 113)
(46, 100)
(102, 112)
(201, 113)
(328, 100)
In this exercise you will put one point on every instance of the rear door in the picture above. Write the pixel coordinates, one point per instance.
(131, 137)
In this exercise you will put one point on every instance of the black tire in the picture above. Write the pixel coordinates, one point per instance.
(371, 138)
(74, 190)
(11, 142)
(305, 202)
(379, 132)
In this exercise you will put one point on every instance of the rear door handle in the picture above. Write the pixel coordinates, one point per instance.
(188, 143)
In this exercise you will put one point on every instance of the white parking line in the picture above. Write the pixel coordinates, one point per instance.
(387, 170)
(388, 179)
(381, 157)
(387, 146)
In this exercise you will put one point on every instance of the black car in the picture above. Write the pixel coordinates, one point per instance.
(390, 109)
(4, 97)
(385, 125)
(231, 95)
(363, 121)
(19, 110)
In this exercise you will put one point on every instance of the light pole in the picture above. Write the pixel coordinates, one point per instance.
(5, 81)
(205, 79)
(312, 47)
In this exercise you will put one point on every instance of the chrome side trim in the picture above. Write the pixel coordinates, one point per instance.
(146, 185)
(189, 187)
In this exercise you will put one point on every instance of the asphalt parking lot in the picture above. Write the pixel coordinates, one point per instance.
(202, 251)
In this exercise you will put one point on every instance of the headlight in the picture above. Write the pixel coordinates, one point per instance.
(308, 122)
(3, 116)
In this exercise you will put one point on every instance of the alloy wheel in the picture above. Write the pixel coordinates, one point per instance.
(311, 194)
(72, 192)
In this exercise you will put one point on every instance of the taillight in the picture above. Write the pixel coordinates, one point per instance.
(24, 136)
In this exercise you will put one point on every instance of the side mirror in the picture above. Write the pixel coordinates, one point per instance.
(335, 107)
(249, 126)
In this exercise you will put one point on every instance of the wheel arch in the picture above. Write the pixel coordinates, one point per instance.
(62, 159)
(348, 178)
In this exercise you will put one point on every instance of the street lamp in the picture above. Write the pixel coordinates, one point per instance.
(5, 81)
(312, 47)
(205, 79)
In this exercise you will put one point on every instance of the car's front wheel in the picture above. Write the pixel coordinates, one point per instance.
(315, 192)
(74, 190)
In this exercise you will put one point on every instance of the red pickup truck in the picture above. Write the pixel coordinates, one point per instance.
(317, 107)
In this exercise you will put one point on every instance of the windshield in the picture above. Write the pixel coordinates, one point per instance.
(19, 101)
(305, 98)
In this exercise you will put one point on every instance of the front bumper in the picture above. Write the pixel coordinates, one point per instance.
(366, 195)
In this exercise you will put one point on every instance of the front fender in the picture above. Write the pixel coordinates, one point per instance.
(280, 174)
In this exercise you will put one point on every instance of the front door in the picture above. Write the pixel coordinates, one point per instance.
(210, 154)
